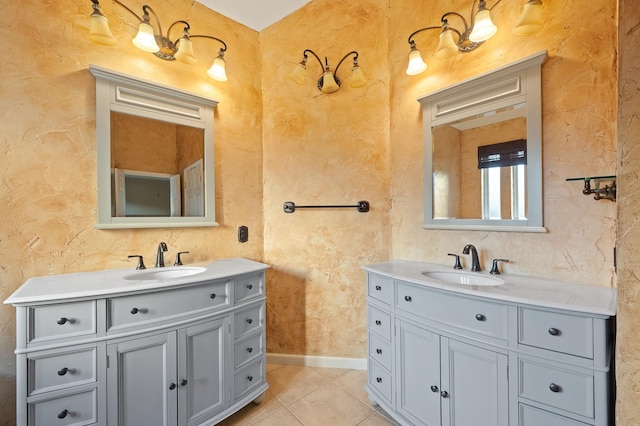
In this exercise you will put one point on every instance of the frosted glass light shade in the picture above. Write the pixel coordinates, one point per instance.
(531, 19)
(416, 64)
(217, 70)
(298, 74)
(357, 77)
(100, 32)
(329, 84)
(145, 40)
(483, 29)
(447, 47)
(185, 51)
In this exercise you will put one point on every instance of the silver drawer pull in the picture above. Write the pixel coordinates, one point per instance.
(250, 378)
(63, 371)
(249, 321)
(212, 296)
(554, 331)
(249, 286)
(183, 382)
(379, 351)
(172, 386)
(62, 321)
(407, 298)
(554, 388)
(481, 317)
(378, 322)
(444, 394)
(379, 379)
(62, 414)
(434, 388)
(136, 310)
(249, 350)
(378, 288)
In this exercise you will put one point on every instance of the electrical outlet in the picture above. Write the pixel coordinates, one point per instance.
(243, 234)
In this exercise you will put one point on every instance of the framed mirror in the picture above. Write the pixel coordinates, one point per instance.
(483, 151)
(154, 154)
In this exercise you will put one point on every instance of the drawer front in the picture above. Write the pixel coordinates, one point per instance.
(248, 378)
(380, 288)
(247, 287)
(63, 320)
(529, 416)
(380, 350)
(379, 322)
(556, 386)
(128, 311)
(248, 320)
(556, 331)
(380, 380)
(77, 409)
(478, 316)
(60, 370)
(248, 349)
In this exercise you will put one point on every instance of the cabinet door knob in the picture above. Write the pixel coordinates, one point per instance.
(379, 351)
(444, 394)
(63, 371)
(62, 414)
(379, 379)
(249, 350)
(480, 317)
(378, 322)
(62, 321)
(434, 388)
(250, 378)
(554, 388)
(554, 331)
(249, 321)
(134, 311)
(212, 296)
(249, 286)
(407, 298)
(378, 288)
(183, 382)
(172, 386)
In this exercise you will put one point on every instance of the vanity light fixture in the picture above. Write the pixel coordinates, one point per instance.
(328, 82)
(476, 31)
(151, 39)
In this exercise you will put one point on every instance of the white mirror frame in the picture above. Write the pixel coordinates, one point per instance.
(512, 84)
(130, 95)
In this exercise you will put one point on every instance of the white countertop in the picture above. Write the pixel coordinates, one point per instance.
(516, 288)
(113, 281)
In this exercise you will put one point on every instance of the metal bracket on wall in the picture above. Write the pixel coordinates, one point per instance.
(290, 207)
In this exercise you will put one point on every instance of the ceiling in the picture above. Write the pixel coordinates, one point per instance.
(255, 14)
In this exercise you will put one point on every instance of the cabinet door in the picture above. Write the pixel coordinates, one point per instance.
(418, 364)
(202, 357)
(141, 381)
(476, 383)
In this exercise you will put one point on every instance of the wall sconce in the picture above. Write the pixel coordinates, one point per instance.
(479, 29)
(151, 39)
(328, 82)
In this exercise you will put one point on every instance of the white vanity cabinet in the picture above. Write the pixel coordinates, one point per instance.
(189, 353)
(458, 355)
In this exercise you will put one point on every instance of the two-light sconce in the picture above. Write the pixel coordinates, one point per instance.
(151, 39)
(479, 29)
(329, 81)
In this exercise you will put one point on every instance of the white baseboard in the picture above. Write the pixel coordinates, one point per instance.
(318, 361)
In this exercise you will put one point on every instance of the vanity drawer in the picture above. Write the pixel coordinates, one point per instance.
(248, 378)
(52, 371)
(247, 349)
(471, 314)
(75, 409)
(380, 380)
(248, 320)
(379, 322)
(62, 320)
(529, 416)
(560, 332)
(380, 288)
(556, 386)
(380, 350)
(137, 309)
(247, 287)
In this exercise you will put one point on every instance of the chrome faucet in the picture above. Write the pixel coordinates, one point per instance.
(475, 262)
(162, 247)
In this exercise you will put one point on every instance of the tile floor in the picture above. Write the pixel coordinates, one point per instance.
(312, 396)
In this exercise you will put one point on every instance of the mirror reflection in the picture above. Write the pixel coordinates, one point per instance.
(156, 168)
(479, 166)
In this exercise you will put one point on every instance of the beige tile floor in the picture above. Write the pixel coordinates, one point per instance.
(312, 396)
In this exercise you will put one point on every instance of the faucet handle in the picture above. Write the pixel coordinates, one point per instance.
(178, 261)
(140, 261)
(494, 268)
(457, 265)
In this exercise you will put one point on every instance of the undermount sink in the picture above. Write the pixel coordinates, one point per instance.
(165, 273)
(464, 278)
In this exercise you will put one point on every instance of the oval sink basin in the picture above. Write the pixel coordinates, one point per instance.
(165, 273)
(463, 278)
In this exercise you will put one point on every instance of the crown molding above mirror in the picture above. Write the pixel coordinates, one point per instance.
(190, 117)
(509, 97)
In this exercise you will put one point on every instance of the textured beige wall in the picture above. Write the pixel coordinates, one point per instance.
(628, 347)
(324, 149)
(48, 146)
